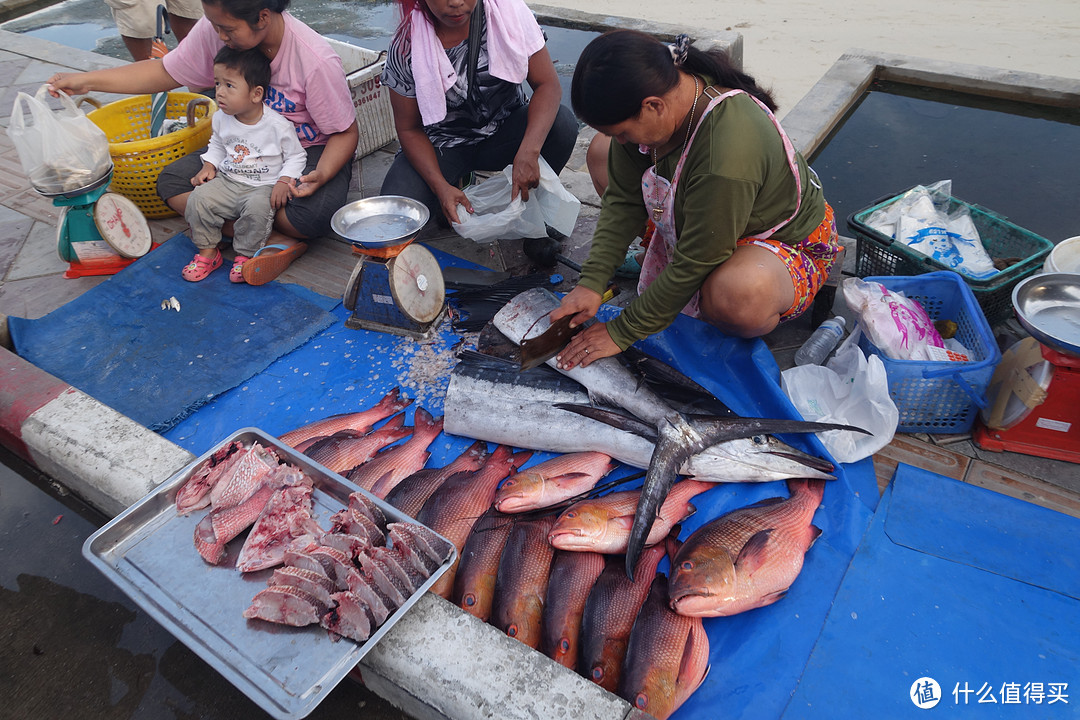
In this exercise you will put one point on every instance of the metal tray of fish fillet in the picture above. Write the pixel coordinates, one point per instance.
(148, 551)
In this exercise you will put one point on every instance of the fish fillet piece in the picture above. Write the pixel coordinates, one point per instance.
(361, 421)
(317, 586)
(244, 477)
(337, 564)
(410, 494)
(351, 545)
(301, 559)
(220, 526)
(423, 539)
(365, 588)
(349, 617)
(401, 566)
(195, 493)
(409, 549)
(354, 523)
(346, 449)
(380, 474)
(286, 517)
(573, 575)
(361, 504)
(384, 578)
(285, 605)
(667, 656)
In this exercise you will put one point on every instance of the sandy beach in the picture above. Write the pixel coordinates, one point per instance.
(789, 45)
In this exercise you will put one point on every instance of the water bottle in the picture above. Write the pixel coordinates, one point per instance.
(821, 343)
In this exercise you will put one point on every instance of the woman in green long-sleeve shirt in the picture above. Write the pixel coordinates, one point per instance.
(743, 236)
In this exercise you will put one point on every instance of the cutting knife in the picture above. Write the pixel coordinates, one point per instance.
(538, 350)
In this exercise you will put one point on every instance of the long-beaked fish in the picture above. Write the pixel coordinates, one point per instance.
(678, 437)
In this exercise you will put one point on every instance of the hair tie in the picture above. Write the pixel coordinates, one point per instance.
(680, 49)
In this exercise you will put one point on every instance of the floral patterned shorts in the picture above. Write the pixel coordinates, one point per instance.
(809, 262)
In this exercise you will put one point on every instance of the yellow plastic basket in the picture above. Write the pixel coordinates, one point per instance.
(138, 158)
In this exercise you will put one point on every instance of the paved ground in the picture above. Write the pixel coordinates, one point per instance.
(32, 282)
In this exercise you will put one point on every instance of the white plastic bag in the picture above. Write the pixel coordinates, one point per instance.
(850, 389)
(897, 325)
(496, 217)
(920, 219)
(60, 151)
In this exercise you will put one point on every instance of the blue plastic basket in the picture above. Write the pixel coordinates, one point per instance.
(941, 397)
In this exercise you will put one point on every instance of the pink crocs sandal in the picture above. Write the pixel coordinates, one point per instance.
(236, 275)
(199, 268)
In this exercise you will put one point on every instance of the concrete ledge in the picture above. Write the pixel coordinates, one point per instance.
(110, 461)
(811, 120)
(732, 42)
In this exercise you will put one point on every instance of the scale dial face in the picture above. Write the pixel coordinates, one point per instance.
(416, 282)
(122, 225)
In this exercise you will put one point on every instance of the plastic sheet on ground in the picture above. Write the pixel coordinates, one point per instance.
(757, 657)
(972, 589)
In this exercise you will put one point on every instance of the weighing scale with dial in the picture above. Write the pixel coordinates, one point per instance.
(1035, 406)
(98, 232)
(396, 287)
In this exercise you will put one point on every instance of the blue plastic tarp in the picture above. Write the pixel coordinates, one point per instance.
(975, 591)
(117, 344)
(757, 657)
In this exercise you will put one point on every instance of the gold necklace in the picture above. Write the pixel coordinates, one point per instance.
(658, 206)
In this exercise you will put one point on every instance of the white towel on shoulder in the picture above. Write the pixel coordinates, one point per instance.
(513, 36)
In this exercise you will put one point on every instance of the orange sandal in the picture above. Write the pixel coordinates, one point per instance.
(236, 274)
(261, 269)
(200, 267)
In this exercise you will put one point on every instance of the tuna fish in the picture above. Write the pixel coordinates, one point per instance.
(345, 450)
(667, 656)
(461, 500)
(552, 481)
(746, 558)
(603, 524)
(573, 575)
(522, 581)
(361, 421)
(609, 615)
(474, 582)
(410, 494)
(380, 474)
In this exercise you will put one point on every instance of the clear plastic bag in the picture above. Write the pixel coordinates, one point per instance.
(922, 220)
(851, 389)
(497, 217)
(60, 151)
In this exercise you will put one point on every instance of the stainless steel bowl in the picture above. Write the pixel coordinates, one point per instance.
(380, 221)
(76, 192)
(1048, 306)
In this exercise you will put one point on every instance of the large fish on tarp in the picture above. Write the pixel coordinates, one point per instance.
(346, 449)
(678, 437)
(552, 481)
(488, 399)
(522, 580)
(609, 614)
(410, 494)
(572, 577)
(747, 558)
(667, 656)
(361, 421)
(478, 566)
(455, 507)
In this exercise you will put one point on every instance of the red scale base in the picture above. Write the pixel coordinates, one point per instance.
(1051, 430)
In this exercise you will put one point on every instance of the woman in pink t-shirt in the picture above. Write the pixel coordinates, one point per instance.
(307, 85)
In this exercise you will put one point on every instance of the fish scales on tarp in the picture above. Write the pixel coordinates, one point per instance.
(349, 370)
